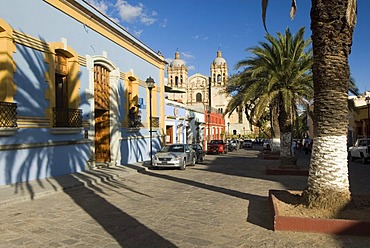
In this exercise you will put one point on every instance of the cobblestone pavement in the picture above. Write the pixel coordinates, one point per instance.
(220, 203)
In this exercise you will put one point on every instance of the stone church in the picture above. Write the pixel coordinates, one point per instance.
(203, 91)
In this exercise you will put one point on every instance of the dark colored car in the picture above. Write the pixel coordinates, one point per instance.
(248, 143)
(199, 152)
(217, 146)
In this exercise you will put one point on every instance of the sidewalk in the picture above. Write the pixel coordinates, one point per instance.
(37, 188)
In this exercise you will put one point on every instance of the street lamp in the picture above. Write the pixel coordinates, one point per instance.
(367, 99)
(151, 84)
(228, 129)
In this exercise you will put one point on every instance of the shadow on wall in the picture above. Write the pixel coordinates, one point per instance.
(41, 162)
(44, 158)
(136, 148)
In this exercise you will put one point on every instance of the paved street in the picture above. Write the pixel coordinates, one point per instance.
(220, 203)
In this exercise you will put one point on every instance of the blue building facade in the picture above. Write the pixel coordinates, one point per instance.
(69, 78)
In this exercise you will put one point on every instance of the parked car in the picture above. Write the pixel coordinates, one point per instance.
(247, 143)
(200, 153)
(230, 146)
(234, 144)
(217, 146)
(361, 150)
(266, 145)
(175, 155)
(258, 141)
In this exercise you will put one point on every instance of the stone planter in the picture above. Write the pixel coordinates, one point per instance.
(315, 225)
(286, 171)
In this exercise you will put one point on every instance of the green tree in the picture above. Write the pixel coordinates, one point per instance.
(276, 79)
(332, 25)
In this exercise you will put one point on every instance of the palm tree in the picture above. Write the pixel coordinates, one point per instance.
(332, 25)
(277, 78)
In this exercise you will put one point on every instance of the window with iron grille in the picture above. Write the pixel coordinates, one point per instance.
(8, 114)
(66, 117)
(63, 115)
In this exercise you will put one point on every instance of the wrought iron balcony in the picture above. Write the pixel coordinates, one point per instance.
(66, 117)
(8, 114)
(135, 121)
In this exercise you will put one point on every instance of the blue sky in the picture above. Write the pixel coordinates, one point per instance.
(197, 29)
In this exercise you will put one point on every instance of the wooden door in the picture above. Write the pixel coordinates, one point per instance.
(102, 123)
(102, 136)
(169, 132)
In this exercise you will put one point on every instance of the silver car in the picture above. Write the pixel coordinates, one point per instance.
(175, 155)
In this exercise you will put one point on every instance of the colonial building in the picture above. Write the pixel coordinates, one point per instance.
(359, 118)
(68, 78)
(208, 92)
(183, 124)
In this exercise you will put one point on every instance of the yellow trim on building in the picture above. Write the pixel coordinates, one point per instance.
(7, 65)
(131, 83)
(72, 76)
(92, 21)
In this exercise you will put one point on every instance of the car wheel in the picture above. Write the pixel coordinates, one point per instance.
(350, 157)
(363, 159)
(194, 160)
(183, 165)
(201, 159)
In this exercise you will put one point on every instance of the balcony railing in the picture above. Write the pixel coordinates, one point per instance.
(135, 121)
(8, 114)
(66, 117)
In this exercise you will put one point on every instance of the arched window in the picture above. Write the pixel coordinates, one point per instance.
(176, 81)
(219, 79)
(198, 97)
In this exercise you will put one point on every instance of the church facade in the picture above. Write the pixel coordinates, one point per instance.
(207, 93)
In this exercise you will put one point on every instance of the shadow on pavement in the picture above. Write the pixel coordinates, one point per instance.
(121, 226)
(258, 205)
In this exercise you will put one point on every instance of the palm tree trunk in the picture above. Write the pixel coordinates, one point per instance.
(275, 129)
(328, 184)
(287, 159)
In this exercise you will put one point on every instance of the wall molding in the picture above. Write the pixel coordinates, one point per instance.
(43, 144)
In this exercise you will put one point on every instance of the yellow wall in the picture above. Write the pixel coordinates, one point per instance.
(72, 77)
(7, 65)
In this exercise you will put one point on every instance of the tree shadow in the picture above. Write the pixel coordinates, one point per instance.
(42, 165)
(126, 230)
(257, 208)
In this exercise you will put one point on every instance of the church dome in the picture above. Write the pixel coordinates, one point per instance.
(219, 60)
(177, 62)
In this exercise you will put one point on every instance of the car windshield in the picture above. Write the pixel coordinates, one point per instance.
(173, 148)
(364, 142)
(216, 141)
(196, 147)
